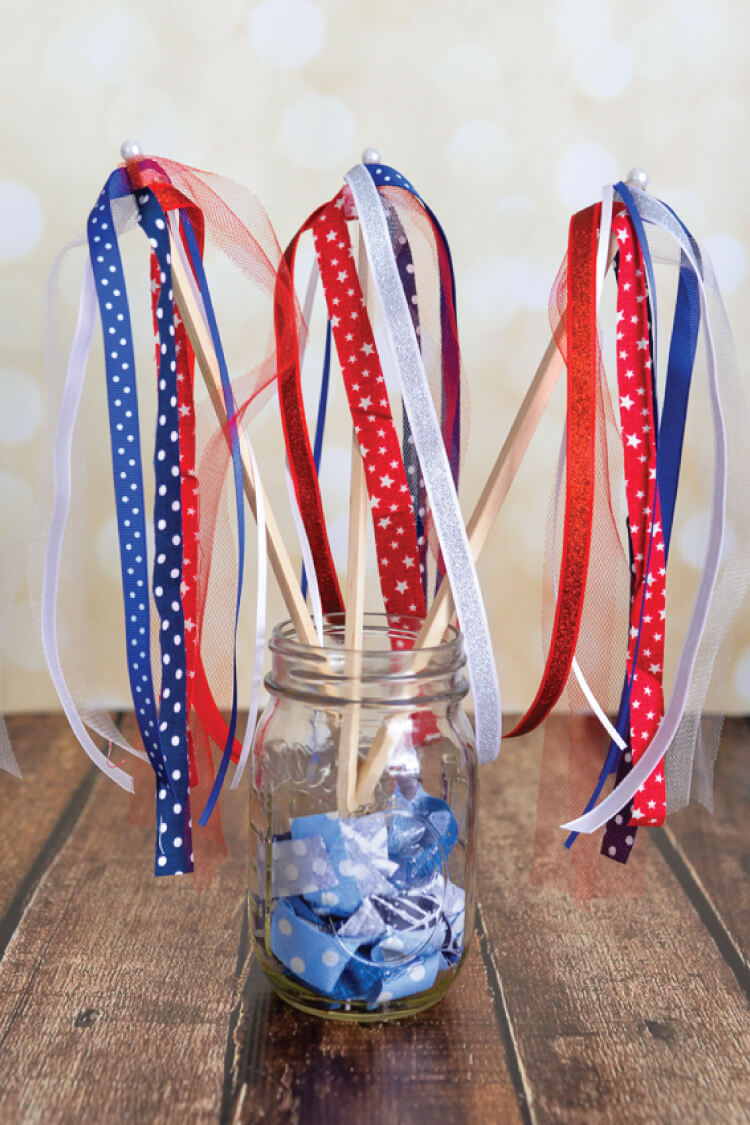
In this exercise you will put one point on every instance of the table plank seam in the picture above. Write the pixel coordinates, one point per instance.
(709, 914)
(504, 1023)
(49, 851)
(252, 1023)
(232, 1057)
(26, 992)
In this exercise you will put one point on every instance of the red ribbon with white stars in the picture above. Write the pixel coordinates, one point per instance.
(648, 601)
(387, 485)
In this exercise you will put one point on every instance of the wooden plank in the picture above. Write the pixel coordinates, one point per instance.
(117, 988)
(715, 850)
(56, 779)
(446, 1065)
(622, 1009)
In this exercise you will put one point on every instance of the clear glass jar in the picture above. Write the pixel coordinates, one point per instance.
(362, 901)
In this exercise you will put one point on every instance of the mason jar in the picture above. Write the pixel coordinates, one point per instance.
(363, 821)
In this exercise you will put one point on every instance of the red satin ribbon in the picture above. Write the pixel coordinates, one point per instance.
(582, 361)
(296, 434)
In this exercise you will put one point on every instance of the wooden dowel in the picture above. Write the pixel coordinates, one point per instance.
(200, 338)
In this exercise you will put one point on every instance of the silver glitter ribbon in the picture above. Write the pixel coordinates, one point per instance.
(441, 490)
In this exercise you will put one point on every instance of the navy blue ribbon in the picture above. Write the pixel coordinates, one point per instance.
(382, 175)
(320, 423)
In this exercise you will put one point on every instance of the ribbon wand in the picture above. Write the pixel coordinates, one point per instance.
(202, 344)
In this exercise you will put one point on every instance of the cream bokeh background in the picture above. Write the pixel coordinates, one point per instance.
(507, 117)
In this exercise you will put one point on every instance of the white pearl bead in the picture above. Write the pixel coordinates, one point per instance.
(371, 156)
(639, 177)
(130, 149)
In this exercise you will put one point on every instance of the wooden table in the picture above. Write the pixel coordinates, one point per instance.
(129, 999)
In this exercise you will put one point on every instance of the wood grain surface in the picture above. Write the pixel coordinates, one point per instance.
(716, 849)
(129, 999)
(57, 777)
(447, 1064)
(117, 988)
(621, 1009)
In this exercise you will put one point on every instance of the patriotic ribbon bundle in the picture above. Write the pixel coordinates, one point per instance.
(181, 665)
(660, 756)
(196, 461)
(175, 636)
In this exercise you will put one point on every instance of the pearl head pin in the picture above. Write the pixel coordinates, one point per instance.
(371, 156)
(130, 149)
(639, 177)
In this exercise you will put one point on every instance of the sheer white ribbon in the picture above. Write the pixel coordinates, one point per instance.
(63, 447)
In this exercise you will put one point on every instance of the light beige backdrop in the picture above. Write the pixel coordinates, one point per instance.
(506, 116)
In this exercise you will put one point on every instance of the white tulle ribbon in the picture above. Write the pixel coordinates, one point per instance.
(425, 428)
(605, 230)
(654, 212)
(62, 482)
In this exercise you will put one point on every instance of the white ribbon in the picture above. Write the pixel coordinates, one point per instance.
(441, 490)
(63, 446)
(97, 720)
(653, 211)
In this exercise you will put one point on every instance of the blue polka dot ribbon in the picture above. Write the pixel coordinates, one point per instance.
(163, 731)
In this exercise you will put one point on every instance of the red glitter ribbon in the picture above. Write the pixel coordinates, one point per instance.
(582, 360)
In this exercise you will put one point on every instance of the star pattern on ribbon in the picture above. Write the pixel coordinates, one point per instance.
(387, 484)
(645, 660)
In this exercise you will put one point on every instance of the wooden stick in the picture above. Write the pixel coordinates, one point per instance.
(200, 338)
(353, 632)
(478, 528)
(348, 754)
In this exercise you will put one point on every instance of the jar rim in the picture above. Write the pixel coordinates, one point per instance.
(284, 639)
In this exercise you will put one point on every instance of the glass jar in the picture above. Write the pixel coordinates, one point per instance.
(363, 821)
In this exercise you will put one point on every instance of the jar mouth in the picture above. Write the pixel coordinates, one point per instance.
(382, 633)
(388, 670)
